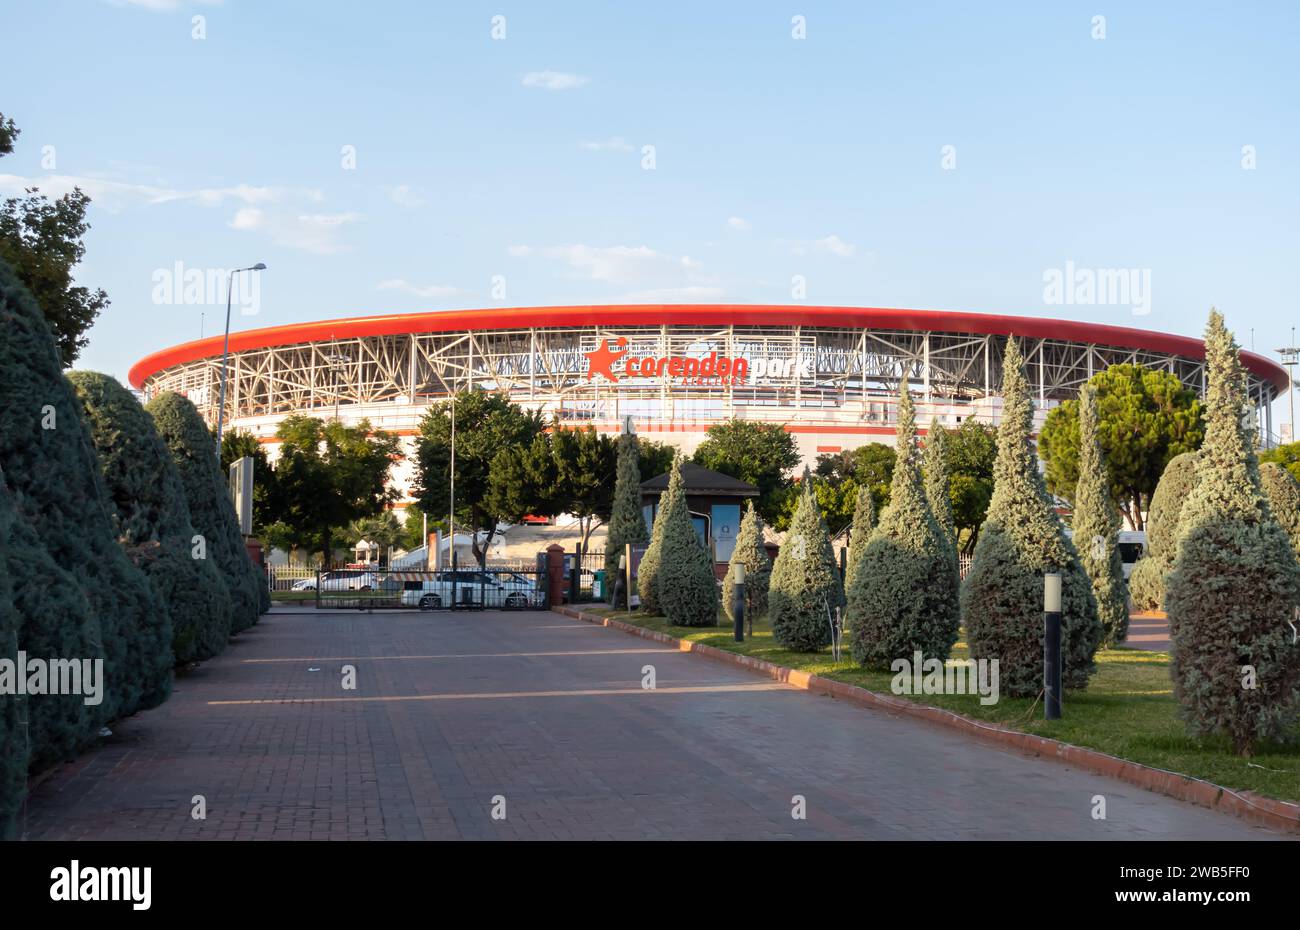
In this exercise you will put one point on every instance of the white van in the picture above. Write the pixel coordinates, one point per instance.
(1132, 544)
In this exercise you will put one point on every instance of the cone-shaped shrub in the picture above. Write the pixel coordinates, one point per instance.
(152, 518)
(1146, 583)
(805, 587)
(1021, 540)
(647, 572)
(1283, 493)
(54, 476)
(687, 589)
(864, 522)
(14, 749)
(211, 511)
(1096, 526)
(1147, 588)
(751, 553)
(626, 519)
(904, 597)
(1235, 580)
(937, 494)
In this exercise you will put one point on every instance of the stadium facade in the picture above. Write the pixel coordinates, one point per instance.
(828, 374)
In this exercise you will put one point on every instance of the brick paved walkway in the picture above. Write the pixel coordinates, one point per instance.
(451, 710)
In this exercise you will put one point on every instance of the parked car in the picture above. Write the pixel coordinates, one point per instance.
(1131, 545)
(347, 579)
(476, 588)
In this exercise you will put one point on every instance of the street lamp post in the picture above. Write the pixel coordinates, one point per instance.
(225, 351)
(1290, 356)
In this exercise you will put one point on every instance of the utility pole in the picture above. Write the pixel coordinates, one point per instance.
(1290, 357)
(451, 504)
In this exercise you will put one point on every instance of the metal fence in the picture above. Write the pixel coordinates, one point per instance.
(284, 577)
(450, 589)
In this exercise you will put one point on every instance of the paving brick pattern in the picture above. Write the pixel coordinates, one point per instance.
(451, 710)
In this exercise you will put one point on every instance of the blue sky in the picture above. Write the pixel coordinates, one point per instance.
(773, 156)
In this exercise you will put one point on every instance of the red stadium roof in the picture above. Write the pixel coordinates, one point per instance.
(695, 314)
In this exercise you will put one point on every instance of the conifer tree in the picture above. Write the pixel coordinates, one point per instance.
(1096, 526)
(59, 493)
(864, 522)
(152, 519)
(1022, 539)
(211, 510)
(805, 588)
(904, 594)
(751, 553)
(626, 519)
(936, 481)
(15, 750)
(1283, 493)
(1147, 582)
(1235, 581)
(647, 573)
(686, 587)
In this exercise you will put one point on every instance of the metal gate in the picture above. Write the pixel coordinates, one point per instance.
(447, 589)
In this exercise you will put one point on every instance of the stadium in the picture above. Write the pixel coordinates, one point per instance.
(828, 374)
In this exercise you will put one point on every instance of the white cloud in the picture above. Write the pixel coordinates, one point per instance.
(614, 144)
(832, 244)
(318, 233)
(116, 195)
(736, 222)
(162, 6)
(405, 196)
(553, 80)
(431, 290)
(247, 218)
(654, 275)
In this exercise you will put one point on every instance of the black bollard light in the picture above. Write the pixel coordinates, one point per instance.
(1052, 646)
(738, 602)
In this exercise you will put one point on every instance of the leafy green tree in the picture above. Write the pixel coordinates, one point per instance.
(152, 519)
(584, 473)
(904, 594)
(805, 589)
(15, 751)
(380, 530)
(654, 458)
(58, 489)
(1288, 456)
(329, 474)
(687, 590)
(41, 239)
(1096, 526)
(1145, 417)
(1021, 540)
(760, 453)
(1235, 581)
(870, 466)
(486, 423)
(647, 574)
(190, 444)
(523, 482)
(751, 553)
(970, 451)
(412, 536)
(627, 519)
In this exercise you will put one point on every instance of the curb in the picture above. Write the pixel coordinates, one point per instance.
(1246, 805)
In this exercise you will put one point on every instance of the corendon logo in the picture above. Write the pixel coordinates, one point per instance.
(711, 368)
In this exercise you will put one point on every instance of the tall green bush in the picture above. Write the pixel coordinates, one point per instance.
(1022, 539)
(1146, 583)
(1234, 665)
(751, 553)
(1096, 526)
(626, 520)
(1283, 493)
(54, 475)
(938, 494)
(152, 519)
(805, 589)
(687, 588)
(1147, 587)
(15, 750)
(647, 572)
(864, 522)
(213, 515)
(904, 596)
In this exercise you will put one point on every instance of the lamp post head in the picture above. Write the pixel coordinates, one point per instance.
(258, 267)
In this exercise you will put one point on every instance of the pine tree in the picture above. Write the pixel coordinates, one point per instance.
(805, 588)
(687, 589)
(647, 572)
(1235, 581)
(211, 510)
(937, 493)
(54, 476)
(626, 519)
(1283, 493)
(751, 553)
(152, 519)
(1096, 526)
(904, 594)
(1021, 540)
(864, 522)
(1147, 582)
(15, 751)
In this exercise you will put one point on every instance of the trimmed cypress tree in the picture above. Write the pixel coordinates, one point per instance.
(15, 750)
(686, 587)
(1022, 539)
(59, 492)
(1096, 526)
(626, 519)
(751, 553)
(937, 484)
(647, 572)
(805, 588)
(1147, 582)
(211, 511)
(1235, 580)
(864, 522)
(1283, 493)
(152, 518)
(904, 594)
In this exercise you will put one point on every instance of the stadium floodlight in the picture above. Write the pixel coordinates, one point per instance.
(225, 351)
(1290, 358)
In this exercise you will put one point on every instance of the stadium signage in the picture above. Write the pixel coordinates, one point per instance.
(692, 369)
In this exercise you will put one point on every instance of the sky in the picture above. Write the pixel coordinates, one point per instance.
(387, 157)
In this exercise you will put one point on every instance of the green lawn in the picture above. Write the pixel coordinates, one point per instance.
(1127, 711)
(283, 597)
